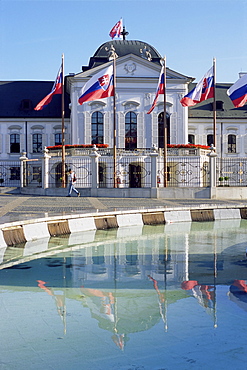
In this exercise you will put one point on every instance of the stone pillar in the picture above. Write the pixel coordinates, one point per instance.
(45, 168)
(23, 169)
(154, 156)
(212, 172)
(94, 167)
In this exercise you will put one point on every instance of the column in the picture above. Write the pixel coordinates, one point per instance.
(23, 169)
(94, 167)
(45, 168)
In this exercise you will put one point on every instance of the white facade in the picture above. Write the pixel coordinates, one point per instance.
(136, 84)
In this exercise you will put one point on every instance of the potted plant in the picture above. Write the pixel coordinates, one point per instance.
(221, 178)
(226, 178)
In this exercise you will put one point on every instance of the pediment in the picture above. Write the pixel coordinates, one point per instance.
(131, 65)
(134, 66)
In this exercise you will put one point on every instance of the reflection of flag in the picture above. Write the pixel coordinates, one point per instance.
(204, 90)
(160, 90)
(205, 294)
(56, 89)
(238, 92)
(116, 30)
(98, 87)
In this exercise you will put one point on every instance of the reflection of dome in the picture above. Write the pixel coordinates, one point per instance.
(134, 311)
(122, 48)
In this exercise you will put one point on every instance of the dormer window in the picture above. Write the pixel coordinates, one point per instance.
(219, 105)
(26, 105)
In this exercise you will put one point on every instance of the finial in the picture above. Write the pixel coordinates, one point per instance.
(124, 33)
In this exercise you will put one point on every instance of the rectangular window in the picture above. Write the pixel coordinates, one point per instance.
(37, 143)
(58, 139)
(14, 143)
(14, 173)
(191, 139)
(232, 144)
(210, 139)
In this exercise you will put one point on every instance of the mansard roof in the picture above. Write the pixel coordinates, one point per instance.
(18, 99)
(122, 48)
(224, 107)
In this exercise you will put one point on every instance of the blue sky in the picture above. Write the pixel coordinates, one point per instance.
(35, 33)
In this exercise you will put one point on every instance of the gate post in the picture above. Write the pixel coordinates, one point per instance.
(23, 169)
(212, 171)
(154, 156)
(45, 168)
(94, 167)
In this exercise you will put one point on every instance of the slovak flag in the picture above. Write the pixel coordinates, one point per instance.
(56, 89)
(100, 86)
(160, 90)
(238, 92)
(116, 30)
(204, 90)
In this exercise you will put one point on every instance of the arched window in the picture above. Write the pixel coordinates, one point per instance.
(15, 143)
(97, 128)
(232, 144)
(161, 129)
(210, 139)
(131, 130)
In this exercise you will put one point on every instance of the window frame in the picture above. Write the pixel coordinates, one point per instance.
(37, 143)
(97, 128)
(130, 126)
(14, 143)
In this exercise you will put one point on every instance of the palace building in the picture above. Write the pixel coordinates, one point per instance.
(137, 72)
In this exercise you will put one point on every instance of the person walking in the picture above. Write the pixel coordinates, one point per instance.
(72, 180)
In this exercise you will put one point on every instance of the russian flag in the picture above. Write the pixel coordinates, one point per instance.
(160, 90)
(238, 92)
(56, 89)
(117, 30)
(204, 90)
(100, 86)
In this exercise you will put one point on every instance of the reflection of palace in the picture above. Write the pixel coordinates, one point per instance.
(128, 278)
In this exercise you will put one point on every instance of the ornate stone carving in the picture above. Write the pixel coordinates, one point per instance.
(146, 54)
(130, 68)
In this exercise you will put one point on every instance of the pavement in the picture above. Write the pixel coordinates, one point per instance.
(18, 207)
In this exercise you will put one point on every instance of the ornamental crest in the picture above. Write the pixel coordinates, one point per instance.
(130, 68)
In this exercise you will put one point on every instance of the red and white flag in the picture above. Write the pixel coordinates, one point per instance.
(117, 30)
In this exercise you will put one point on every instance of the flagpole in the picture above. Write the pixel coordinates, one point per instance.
(114, 123)
(63, 139)
(214, 104)
(112, 56)
(165, 125)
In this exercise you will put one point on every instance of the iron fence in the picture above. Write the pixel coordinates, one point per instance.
(81, 166)
(10, 173)
(184, 172)
(131, 172)
(231, 171)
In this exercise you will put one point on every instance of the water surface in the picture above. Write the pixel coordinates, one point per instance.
(152, 297)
